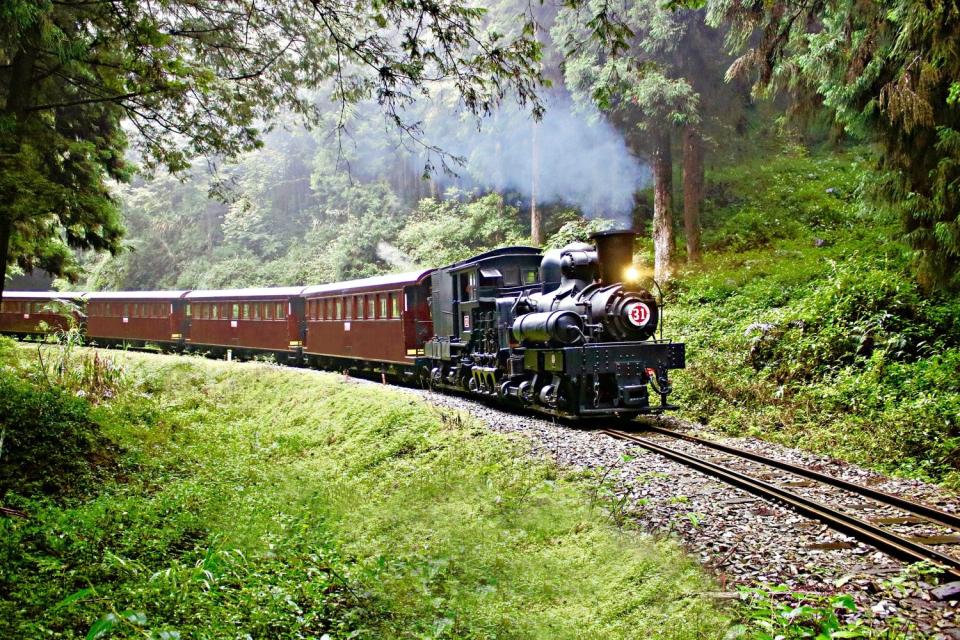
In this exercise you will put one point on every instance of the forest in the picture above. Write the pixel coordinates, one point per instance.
(792, 170)
(635, 113)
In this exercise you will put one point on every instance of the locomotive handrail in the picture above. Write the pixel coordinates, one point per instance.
(660, 304)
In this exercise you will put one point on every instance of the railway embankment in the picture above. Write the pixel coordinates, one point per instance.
(211, 499)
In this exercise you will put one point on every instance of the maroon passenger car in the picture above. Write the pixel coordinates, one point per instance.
(33, 313)
(246, 320)
(135, 317)
(383, 319)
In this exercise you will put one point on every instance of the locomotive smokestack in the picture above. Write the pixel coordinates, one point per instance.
(615, 254)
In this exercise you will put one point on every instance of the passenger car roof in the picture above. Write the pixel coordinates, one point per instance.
(43, 295)
(231, 294)
(134, 295)
(388, 281)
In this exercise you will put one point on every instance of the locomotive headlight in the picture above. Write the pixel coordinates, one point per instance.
(631, 274)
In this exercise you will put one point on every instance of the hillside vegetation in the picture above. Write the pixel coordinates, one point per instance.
(223, 501)
(805, 324)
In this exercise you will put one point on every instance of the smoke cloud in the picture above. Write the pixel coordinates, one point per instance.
(583, 160)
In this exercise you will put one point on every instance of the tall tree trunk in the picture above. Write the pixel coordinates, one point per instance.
(692, 191)
(6, 226)
(663, 242)
(536, 223)
(20, 92)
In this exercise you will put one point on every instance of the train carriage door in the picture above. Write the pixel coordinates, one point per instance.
(188, 310)
(178, 321)
(348, 325)
(233, 313)
(417, 326)
(296, 318)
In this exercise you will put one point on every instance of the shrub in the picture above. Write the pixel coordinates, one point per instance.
(751, 228)
(49, 444)
(577, 230)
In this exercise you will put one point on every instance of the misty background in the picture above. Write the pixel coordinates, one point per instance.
(312, 206)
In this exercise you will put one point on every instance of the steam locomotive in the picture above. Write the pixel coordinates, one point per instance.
(557, 332)
(574, 343)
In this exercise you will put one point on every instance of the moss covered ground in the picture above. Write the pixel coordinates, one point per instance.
(253, 501)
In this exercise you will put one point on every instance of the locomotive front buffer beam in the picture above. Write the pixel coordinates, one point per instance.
(605, 378)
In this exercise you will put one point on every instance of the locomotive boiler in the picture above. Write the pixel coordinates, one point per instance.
(559, 332)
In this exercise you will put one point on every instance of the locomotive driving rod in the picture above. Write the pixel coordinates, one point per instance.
(891, 543)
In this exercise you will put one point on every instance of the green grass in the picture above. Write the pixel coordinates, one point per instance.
(805, 325)
(252, 499)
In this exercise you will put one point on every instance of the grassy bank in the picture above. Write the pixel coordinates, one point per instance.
(224, 500)
(805, 324)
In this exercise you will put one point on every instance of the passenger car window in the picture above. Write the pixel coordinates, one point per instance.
(339, 309)
(383, 306)
(394, 306)
(371, 307)
(280, 311)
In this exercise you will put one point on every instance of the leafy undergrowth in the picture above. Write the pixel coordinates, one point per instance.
(805, 326)
(255, 501)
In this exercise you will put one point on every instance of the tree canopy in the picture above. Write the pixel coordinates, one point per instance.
(657, 77)
(205, 78)
(886, 72)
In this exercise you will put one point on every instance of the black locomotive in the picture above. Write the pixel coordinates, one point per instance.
(558, 332)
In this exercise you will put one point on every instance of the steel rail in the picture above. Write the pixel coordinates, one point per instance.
(864, 531)
(949, 520)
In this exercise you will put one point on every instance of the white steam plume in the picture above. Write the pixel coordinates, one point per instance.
(584, 161)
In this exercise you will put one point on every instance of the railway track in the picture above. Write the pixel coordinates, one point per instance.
(904, 547)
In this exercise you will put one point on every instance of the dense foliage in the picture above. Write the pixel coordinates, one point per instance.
(887, 72)
(49, 443)
(200, 79)
(807, 327)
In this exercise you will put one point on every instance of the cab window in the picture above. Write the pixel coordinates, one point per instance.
(468, 286)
